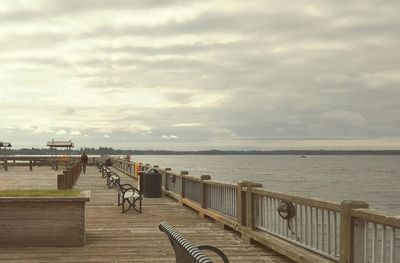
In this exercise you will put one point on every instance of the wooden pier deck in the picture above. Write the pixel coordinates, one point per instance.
(130, 237)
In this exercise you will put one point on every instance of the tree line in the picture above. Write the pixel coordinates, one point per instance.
(111, 151)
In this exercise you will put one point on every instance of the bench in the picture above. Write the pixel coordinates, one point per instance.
(186, 252)
(99, 165)
(128, 194)
(104, 171)
(111, 179)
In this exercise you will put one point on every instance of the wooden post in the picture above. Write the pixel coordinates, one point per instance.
(60, 181)
(67, 179)
(5, 164)
(347, 227)
(166, 178)
(250, 205)
(30, 165)
(241, 203)
(359, 233)
(203, 190)
(183, 183)
(249, 210)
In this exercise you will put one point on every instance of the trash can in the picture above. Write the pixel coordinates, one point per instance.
(108, 162)
(151, 183)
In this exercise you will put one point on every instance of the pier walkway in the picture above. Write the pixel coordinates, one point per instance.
(130, 237)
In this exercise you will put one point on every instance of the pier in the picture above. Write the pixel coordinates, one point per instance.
(129, 237)
(241, 219)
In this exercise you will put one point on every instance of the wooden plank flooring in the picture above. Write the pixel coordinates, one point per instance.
(130, 237)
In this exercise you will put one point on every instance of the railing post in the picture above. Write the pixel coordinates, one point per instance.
(241, 203)
(183, 183)
(60, 181)
(250, 204)
(166, 186)
(5, 164)
(56, 165)
(203, 192)
(30, 165)
(249, 210)
(348, 252)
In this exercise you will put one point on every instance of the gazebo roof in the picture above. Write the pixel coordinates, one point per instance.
(5, 144)
(54, 143)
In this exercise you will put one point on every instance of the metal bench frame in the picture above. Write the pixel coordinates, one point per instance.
(112, 177)
(128, 194)
(186, 252)
(104, 171)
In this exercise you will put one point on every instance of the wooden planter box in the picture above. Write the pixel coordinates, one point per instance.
(43, 221)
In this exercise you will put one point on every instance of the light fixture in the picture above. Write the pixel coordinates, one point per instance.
(286, 210)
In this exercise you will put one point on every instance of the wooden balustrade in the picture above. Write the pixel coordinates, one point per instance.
(376, 236)
(320, 231)
(33, 161)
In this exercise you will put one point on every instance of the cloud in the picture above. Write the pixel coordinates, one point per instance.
(194, 124)
(75, 132)
(61, 132)
(169, 137)
(211, 73)
(103, 130)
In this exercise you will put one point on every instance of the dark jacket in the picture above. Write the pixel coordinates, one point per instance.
(84, 158)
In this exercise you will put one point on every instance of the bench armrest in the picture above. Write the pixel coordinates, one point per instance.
(127, 186)
(216, 250)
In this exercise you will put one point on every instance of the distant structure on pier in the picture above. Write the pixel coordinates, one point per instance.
(54, 145)
(60, 144)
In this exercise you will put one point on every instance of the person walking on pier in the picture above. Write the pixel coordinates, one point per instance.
(84, 161)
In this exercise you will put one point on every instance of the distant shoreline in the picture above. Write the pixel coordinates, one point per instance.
(111, 151)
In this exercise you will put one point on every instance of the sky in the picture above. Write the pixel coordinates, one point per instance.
(198, 75)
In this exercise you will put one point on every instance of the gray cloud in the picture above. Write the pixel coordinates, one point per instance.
(201, 74)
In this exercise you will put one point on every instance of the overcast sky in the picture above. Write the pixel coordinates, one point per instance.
(189, 75)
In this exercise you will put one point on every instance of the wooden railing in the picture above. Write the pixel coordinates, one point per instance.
(33, 161)
(28, 161)
(377, 236)
(124, 166)
(320, 231)
(221, 198)
(315, 226)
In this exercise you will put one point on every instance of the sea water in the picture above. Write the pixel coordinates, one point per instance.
(374, 179)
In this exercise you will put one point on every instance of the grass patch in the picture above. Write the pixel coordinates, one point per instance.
(41, 193)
